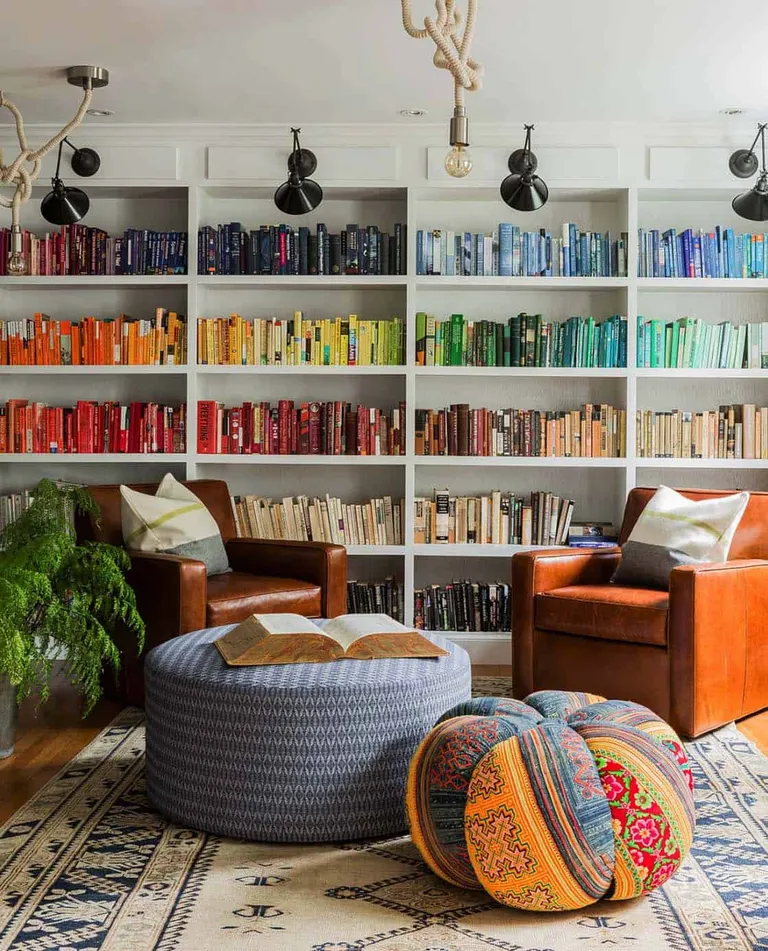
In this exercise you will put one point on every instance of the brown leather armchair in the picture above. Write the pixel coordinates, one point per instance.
(175, 597)
(696, 655)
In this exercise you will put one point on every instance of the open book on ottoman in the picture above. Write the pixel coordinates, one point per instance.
(292, 639)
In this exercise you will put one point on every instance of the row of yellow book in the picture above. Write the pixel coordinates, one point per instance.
(297, 341)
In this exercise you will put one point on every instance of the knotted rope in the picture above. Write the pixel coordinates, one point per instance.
(17, 175)
(452, 53)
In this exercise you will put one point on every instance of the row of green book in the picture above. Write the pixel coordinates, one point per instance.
(527, 340)
(690, 342)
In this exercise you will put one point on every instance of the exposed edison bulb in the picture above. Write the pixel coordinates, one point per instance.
(17, 263)
(458, 161)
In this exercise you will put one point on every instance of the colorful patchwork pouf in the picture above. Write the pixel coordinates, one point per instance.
(552, 803)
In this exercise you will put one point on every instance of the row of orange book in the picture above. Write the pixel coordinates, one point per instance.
(93, 341)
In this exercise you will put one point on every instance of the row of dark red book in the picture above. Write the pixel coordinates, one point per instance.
(27, 427)
(305, 429)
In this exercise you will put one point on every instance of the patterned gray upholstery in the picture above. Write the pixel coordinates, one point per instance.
(296, 753)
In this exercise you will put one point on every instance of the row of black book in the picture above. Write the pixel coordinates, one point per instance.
(376, 597)
(283, 250)
(463, 606)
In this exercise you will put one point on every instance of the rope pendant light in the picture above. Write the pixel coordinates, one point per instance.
(452, 53)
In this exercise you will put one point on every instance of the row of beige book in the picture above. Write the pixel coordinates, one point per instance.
(733, 431)
(373, 522)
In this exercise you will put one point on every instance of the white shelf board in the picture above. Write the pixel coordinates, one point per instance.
(702, 373)
(566, 462)
(255, 459)
(376, 549)
(512, 372)
(95, 371)
(507, 283)
(74, 457)
(311, 281)
(108, 280)
(505, 636)
(702, 283)
(478, 551)
(301, 370)
(647, 462)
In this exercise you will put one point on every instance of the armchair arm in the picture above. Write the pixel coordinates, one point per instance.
(316, 562)
(536, 571)
(170, 594)
(717, 622)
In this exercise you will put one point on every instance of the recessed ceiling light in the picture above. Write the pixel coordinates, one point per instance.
(413, 113)
(732, 111)
(100, 112)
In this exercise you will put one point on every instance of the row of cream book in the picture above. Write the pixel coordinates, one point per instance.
(378, 521)
(501, 518)
(734, 431)
(298, 341)
(264, 639)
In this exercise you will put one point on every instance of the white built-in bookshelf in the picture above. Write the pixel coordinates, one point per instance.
(599, 486)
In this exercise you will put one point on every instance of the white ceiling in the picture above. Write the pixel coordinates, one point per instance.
(340, 61)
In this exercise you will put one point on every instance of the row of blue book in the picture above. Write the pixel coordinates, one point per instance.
(510, 252)
(717, 253)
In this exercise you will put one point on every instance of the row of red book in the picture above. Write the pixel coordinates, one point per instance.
(331, 429)
(90, 427)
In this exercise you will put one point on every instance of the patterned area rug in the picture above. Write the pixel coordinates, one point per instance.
(87, 864)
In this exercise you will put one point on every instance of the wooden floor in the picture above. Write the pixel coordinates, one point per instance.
(49, 736)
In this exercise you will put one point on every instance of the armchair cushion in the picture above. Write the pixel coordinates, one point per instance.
(175, 521)
(608, 612)
(232, 597)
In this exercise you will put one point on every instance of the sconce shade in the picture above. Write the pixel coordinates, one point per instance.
(753, 204)
(299, 198)
(524, 193)
(64, 205)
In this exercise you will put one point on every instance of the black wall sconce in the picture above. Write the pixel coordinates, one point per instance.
(299, 195)
(743, 163)
(64, 205)
(523, 190)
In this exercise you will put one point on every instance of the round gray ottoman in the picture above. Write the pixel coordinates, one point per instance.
(293, 753)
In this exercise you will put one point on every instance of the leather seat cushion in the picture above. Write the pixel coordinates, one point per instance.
(606, 611)
(235, 595)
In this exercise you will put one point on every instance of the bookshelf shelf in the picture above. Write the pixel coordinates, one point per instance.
(301, 370)
(476, 551)
(598, 485)
(509, 283)
(102, 280)
(74, 458)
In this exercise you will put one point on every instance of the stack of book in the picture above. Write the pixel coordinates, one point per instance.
(592, 535)
(91, 341)
(596, 430)
(283, 249)
(464, 606)
(526, 340)
(716, 253)
(690, 343)
(79, 250)
(309, 429)
(508, 252)
(733, 431)
(500, 518)
(271, 341)
(376, 597)
(91, 427)
(374, 522)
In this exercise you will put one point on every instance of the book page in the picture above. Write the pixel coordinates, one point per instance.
(349, 628)
(286, 624)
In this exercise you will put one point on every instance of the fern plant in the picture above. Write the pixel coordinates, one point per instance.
(57, 594)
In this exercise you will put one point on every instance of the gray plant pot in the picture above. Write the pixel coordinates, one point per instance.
(8, 716)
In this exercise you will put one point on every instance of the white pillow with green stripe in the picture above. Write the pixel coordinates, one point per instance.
(173, 521)
(673, 530)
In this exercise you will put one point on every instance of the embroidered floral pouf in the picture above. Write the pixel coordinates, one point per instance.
(552, 803)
